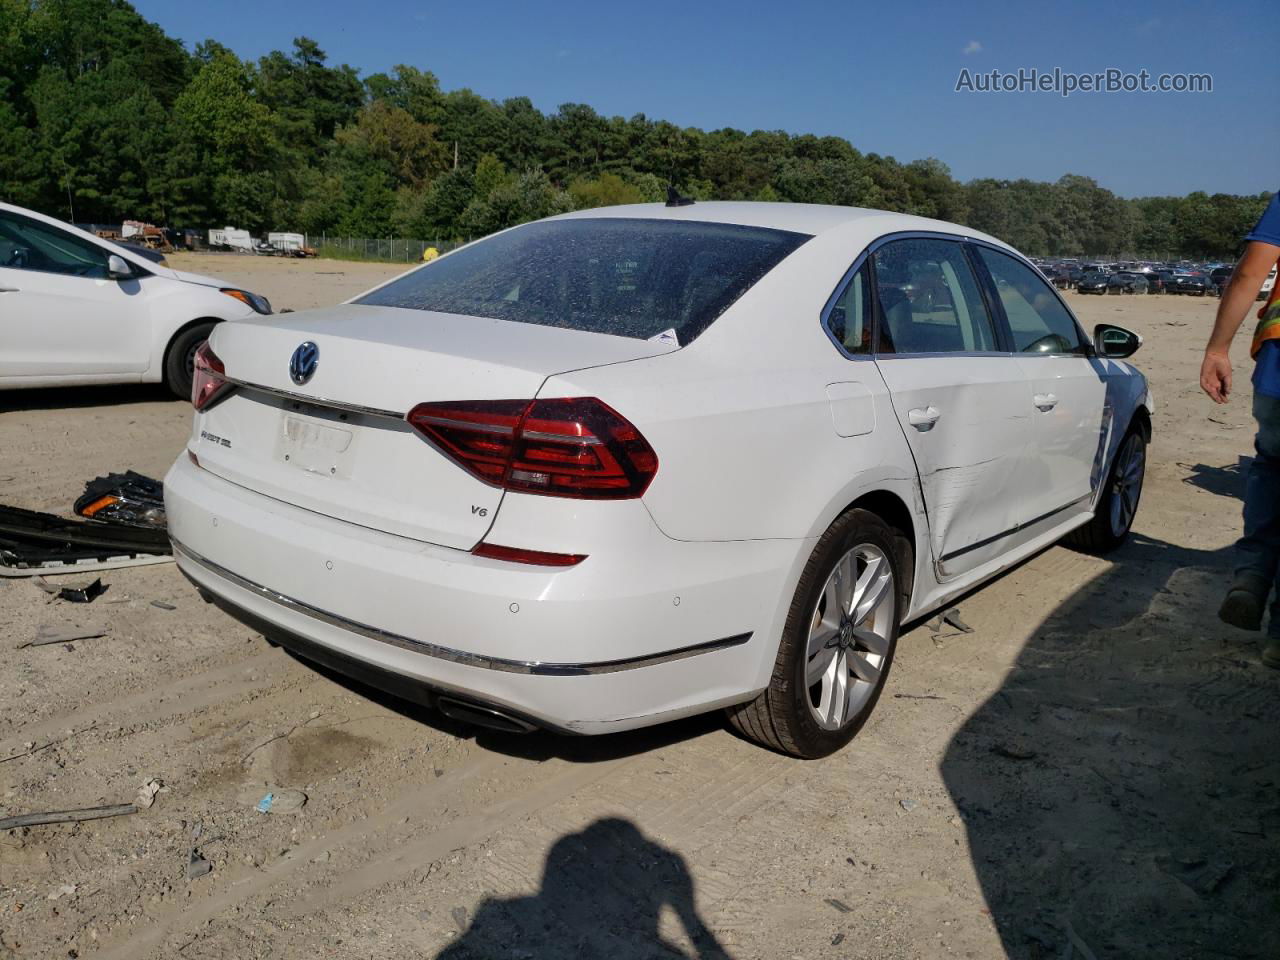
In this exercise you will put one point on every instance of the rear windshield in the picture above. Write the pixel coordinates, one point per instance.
(627, 277)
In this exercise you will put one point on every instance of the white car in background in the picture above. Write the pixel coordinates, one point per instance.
(1268, 285)
(76, 309)
(630, 464)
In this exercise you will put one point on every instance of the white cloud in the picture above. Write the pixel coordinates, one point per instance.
(1147, 27)
(973, 46)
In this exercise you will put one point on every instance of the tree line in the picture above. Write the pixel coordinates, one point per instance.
(104, 117)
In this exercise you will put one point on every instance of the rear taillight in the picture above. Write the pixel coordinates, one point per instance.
(209, 379)
(578, 447)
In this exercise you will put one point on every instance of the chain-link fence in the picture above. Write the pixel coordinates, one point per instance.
(386, 249)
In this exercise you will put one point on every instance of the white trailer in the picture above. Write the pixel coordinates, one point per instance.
(288, 242)
(231, 237)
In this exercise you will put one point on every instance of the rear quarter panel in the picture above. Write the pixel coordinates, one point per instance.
(742, 420)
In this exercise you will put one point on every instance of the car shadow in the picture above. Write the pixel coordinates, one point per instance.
(1227, 481)
(59, 398)
(1120, 790)
(537, 745)
(603, 891)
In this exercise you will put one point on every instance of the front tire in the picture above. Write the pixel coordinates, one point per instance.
(838, 642)
(1118, 505)
(179, 362)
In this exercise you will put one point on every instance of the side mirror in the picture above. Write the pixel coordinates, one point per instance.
(1114, 342)
(118, 268)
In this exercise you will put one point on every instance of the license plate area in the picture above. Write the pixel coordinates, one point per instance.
(316, 440)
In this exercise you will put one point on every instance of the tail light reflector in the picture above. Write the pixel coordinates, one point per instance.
(540, 558)
(209, 379)
(579, 447)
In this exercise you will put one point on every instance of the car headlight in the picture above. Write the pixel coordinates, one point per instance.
(259, 303)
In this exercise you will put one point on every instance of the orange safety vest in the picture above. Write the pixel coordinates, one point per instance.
(1268, 321)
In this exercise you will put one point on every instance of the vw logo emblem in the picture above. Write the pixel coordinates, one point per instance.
(303, 363)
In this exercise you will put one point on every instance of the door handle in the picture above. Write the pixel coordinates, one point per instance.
(1045, 402)
(8, 289)
(923, 418)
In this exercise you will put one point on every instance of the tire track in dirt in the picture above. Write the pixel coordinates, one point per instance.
(373, 839)
(186, 695)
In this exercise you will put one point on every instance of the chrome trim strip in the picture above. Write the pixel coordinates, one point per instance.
(592, 441)
(464, 424)
(318, 401)
(531, 667)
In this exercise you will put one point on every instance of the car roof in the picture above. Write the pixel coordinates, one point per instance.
(810, 218)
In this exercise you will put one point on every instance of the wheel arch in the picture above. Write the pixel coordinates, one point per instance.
(893, 510)
(1141, 419)
(178, 332)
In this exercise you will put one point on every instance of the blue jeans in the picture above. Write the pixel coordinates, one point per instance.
(1259, 548)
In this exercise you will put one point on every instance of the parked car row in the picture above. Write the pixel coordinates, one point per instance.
(1192, 280)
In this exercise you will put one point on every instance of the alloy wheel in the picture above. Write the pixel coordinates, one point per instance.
(849, 636)
(1126, 487)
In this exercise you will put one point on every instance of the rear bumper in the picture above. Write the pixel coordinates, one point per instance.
(658, 630)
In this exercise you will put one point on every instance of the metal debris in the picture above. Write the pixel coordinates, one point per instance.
(67, 816)
(949, 617)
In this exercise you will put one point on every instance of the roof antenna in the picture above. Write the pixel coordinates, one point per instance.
(674, 199)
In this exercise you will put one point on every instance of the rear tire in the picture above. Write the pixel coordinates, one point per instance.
(1118, 505)
(838, 642)
(179, 362)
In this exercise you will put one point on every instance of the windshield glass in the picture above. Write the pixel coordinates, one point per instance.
(627, 277)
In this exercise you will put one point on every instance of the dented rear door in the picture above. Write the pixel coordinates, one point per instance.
(962, 401)
(966, 421)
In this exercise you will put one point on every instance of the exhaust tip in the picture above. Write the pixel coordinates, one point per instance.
(482, 716)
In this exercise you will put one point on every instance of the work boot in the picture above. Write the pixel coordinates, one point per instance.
(1245, 602)
(1271, 652)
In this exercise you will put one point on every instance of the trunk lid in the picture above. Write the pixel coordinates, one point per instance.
(339, 445)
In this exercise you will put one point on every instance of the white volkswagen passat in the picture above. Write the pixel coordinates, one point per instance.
(76, 309)
(630, 464)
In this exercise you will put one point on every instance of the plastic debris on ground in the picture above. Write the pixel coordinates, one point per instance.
(34, 543)
(147, 792)
(282, 801)
(46, 635)
(127, 498)
(85, 594)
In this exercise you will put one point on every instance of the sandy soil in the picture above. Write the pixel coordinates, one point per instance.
(1094, 766)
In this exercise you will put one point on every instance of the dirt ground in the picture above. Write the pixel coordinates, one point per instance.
(1090, 773)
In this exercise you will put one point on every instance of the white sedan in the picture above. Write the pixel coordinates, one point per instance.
(630, 464)
(76, 309)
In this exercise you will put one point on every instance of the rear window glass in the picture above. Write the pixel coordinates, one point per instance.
(627, 277)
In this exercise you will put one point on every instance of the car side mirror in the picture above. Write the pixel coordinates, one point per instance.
(118, 268)
(1114, 342)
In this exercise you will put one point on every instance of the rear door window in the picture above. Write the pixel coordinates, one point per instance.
(930, 301)
(628, 277)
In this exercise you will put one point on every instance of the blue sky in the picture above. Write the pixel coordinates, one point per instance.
(882, 75)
